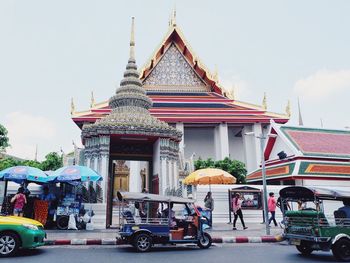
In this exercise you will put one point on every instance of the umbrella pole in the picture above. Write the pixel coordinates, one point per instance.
(5, 189)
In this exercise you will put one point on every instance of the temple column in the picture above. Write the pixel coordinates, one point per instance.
(163, 175)
(221, 141)
(176, 174)
(135, 177)
(180, 126)
(156, 166)
(257, 129)
(104, 168)
(252, 146)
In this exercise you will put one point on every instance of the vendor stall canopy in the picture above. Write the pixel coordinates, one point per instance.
(21, 174)
(303, 193)
(152, 197)
(75, 173)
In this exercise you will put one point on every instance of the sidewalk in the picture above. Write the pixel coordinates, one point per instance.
(221, 233)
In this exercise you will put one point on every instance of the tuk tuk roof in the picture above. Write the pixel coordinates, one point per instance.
(152, 197)
(310, 193)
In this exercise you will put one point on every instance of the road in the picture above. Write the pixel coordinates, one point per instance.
(241, 253)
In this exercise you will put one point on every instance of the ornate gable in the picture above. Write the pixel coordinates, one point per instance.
(173, 72)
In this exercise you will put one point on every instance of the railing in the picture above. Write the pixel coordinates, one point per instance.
(145, 220)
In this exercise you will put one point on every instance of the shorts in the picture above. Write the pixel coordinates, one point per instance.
(17, 210)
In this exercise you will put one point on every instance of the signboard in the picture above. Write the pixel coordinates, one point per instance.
(252, 198)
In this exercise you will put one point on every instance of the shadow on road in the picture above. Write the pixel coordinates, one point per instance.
(29, 252)
(128, 249)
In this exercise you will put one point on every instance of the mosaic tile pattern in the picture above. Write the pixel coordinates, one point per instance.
(173, 69)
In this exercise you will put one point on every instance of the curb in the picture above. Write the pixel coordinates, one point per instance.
(113, 241)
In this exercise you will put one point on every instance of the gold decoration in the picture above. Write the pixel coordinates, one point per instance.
(172, 21)
(92, 103)
(72, 107)
(288, 109)
(264, 102)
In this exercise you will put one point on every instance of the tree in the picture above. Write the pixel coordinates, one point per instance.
(52, 162)
(234, 167)
(8, 162)
(4, 140)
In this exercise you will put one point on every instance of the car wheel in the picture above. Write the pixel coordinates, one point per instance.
(204, 241)
(9, 244)
(143, 242)
(341, 249)
(304, 248)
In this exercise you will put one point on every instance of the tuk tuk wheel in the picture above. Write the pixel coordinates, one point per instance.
(204, 241)
(143, 242)
(341, 249)
(304, 248)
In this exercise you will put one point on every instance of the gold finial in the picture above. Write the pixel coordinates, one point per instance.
(232, 94)
(172, 21)
(132, 39)
(72, 107)
(288, 110)
(92, 103)
(216, 74)
(264, 102)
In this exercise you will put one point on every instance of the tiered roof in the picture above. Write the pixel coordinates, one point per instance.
(312, 153)
(183, 90)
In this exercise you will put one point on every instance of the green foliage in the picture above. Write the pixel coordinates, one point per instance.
(4, 140)
(234, 167)
(52, 162)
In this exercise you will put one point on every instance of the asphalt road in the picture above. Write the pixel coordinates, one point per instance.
(241, 253)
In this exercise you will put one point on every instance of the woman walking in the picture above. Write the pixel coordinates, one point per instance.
(272, 208)
(209, 205)
(237, 210)
(19, 201)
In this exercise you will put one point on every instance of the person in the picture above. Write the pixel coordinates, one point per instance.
(237, 210)
(284, 206)
(209, 204)
(346, 207)
(271, 204)
(19, 201)
(51, 199)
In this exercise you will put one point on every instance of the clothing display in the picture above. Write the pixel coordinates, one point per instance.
(41, 209)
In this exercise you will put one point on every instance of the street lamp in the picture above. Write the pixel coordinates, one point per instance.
(262, 139)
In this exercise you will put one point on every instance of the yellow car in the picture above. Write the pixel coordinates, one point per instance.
(19, 232)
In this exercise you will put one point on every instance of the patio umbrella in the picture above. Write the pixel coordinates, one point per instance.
(21, 174)
(209, 176)
(75, 173)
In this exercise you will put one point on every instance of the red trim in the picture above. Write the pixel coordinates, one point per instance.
(242, 239)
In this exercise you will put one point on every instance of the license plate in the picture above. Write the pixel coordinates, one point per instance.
(295, 242)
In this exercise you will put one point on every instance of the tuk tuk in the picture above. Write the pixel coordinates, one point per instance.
(149, 219)
(309, 227)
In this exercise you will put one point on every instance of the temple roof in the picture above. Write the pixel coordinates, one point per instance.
(183, 90)
(311, 153)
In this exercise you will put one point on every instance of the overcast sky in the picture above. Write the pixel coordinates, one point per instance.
(51, 51)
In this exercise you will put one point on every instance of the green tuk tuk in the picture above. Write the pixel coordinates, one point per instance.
(309, 228)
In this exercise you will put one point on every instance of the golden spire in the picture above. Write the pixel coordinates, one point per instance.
(288, 110)
(172, 21)
(231, 93)
(72, 107)
(264, 102)
(216, 74)
(132, 39)
(92, 103)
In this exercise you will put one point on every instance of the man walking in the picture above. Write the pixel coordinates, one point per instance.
(271, 204)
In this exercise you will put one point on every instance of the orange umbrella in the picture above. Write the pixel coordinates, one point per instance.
(209, 176)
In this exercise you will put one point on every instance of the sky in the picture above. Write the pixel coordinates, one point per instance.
(52, 51)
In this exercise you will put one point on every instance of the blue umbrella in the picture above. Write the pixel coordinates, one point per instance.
(75, 173)
(20, 174)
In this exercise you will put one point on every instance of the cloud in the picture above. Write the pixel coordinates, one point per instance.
(25, 131)
(322, 84)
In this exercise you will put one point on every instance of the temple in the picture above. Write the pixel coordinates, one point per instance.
(163, 117)
(298, 155)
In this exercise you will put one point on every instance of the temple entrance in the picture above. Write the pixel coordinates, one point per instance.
(130, 176)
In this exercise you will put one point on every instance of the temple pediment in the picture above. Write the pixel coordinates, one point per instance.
(174, 73)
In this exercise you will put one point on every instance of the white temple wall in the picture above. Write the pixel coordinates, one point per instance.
(236, 147)
(278, 147)
(199, 141)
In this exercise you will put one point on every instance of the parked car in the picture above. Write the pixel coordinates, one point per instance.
(19, 232)
(309, 229)
(148, 219)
